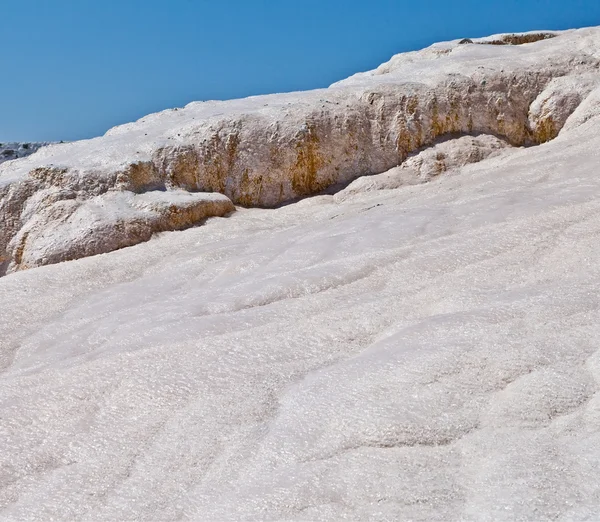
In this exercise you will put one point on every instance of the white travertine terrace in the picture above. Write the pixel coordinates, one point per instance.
(424, 344)
(268, 150)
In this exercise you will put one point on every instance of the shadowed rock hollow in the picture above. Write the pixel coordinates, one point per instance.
(267, 150)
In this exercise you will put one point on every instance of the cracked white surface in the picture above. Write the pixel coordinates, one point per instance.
(428, 352)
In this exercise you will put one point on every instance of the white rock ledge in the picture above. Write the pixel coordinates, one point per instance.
(266, 150)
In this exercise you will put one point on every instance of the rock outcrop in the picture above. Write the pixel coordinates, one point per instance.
(71, 228)
(267, 150)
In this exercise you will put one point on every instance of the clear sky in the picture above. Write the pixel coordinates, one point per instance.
(72, 69)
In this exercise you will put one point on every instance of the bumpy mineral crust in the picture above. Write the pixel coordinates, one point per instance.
(267, 150)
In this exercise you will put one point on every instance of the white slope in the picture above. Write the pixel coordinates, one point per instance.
(427, 352)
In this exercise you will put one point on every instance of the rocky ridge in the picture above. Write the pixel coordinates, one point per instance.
(267, 150)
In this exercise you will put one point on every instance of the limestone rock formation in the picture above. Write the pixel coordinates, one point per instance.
(426, 352)
(72, 228)
(267, 150)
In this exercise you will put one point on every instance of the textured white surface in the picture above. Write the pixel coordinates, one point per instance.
(267, 150)
(428, 352)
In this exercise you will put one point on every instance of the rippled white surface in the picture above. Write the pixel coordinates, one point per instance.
(424, 353)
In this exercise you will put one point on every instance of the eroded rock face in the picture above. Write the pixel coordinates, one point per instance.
(557, 102)
(518, 39)
(57, 215)
(71, 228)
(266, 150)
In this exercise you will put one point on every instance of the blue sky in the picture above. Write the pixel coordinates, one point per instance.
(72, 69)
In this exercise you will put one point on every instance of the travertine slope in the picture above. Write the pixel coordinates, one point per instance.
(267, 150)
(398, 350)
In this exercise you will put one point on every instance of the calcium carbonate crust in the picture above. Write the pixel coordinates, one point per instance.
(393, 351)
(267, 150)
